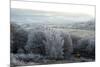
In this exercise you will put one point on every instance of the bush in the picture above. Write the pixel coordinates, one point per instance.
(53, 44)
(35, 42)
(75, 40)
(18, 38)
(49, 42)
(68, 45)
(86, 47)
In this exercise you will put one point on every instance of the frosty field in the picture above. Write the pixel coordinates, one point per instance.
(39, 37)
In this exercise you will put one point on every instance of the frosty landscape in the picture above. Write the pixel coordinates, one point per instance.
(39, 37)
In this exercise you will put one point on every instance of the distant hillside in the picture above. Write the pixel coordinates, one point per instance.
(33, 16)
(90, 25)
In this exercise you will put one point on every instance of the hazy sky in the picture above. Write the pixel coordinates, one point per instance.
(65, 8)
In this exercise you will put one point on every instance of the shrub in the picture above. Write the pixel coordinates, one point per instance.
(18, 38)
(53, 44)
(35, 42)
(75, 40)
(46, 42)
(68, 45)
(86, 47)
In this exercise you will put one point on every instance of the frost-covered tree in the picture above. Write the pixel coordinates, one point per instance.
(53, 44)
(68, 46)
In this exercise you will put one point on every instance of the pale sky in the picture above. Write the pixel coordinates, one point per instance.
(66, 8)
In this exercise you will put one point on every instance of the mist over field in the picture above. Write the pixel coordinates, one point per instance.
(42, 37)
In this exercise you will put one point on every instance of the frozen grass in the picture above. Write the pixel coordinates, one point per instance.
(19, 60)
(79, 33)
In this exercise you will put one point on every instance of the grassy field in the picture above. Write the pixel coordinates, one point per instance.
(78, 32)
